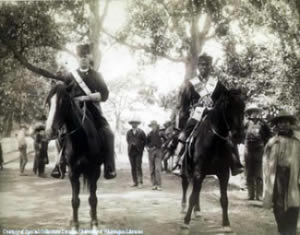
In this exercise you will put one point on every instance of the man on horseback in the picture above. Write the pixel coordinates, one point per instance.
(88, 87)
(200, 99)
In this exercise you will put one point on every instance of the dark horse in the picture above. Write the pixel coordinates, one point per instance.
(212, 149)
(81, 147)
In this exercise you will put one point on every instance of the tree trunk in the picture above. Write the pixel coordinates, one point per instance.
(94, 31)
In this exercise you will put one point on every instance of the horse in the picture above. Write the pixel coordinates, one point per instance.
(210, 152)
(81, 147)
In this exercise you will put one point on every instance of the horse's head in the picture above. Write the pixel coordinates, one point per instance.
(59, 103)
(234, 113)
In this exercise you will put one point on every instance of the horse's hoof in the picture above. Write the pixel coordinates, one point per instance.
(197, 214)
(74, 231)
(74, 227)
(185, 226)
(227, 229)
(183, 208)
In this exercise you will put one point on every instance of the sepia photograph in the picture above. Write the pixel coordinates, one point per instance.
(153, 117)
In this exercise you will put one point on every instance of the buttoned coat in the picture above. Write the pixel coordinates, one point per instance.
(136, 141)
(282, 147)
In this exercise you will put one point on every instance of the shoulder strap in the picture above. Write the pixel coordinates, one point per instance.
(81, 83)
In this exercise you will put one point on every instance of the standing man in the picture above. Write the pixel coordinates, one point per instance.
(88, 86)
(281, 174)
(154, 144)
(40, 147)
(22, 146)
(257, 135)
(136, 139)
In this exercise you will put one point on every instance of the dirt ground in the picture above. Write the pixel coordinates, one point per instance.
(33, 205)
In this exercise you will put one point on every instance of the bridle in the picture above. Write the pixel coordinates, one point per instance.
(228, 129)
(63, 135)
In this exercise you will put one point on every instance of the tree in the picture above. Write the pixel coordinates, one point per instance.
(170, 29)
(31, 33)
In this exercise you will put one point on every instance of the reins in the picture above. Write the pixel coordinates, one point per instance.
(227, 127)
(82, 121)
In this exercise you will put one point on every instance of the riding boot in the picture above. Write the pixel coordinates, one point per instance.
(179, 152)
(236, 165)
(109, 160)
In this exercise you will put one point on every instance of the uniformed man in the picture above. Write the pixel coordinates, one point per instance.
(87, 85)
(193, 96)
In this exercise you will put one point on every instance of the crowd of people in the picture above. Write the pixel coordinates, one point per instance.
(271, 157)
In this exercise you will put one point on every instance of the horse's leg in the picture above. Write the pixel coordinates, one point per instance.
(74, 179)
(197, 205)
(93, 178)
(223, 179)
(185, 186)
(193, 199)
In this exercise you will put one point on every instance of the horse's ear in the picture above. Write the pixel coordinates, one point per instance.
(69, 86)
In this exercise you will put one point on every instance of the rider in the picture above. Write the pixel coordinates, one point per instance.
(95, 93)
(193, 96)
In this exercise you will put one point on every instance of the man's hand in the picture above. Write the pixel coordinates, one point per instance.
(82, 98)
(96, 97)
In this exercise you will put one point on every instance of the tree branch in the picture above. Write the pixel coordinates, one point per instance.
(32, 67)
(144, 48)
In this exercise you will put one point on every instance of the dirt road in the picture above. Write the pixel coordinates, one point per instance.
(43, 205)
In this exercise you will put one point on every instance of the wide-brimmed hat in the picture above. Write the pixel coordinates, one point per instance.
(23, 125)
(153, 123)
(284, 115)
(134, 121)
(83, 49)
(252, 107)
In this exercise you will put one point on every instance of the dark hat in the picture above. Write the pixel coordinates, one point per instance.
(251, 108)
(153, 123)
(284, 115)
(206, 58)
(134, 121)
(23, 125)
(83, 49)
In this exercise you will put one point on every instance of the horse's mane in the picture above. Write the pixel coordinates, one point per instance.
(233, 95)
(57, 89)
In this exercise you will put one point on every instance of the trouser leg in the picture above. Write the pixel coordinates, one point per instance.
(157, 162)
(292, 220)
(258, 180)
(23, 159)
(151, 167)
(132, 159)
(249, 174)
(280, 192)
(139, 169)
